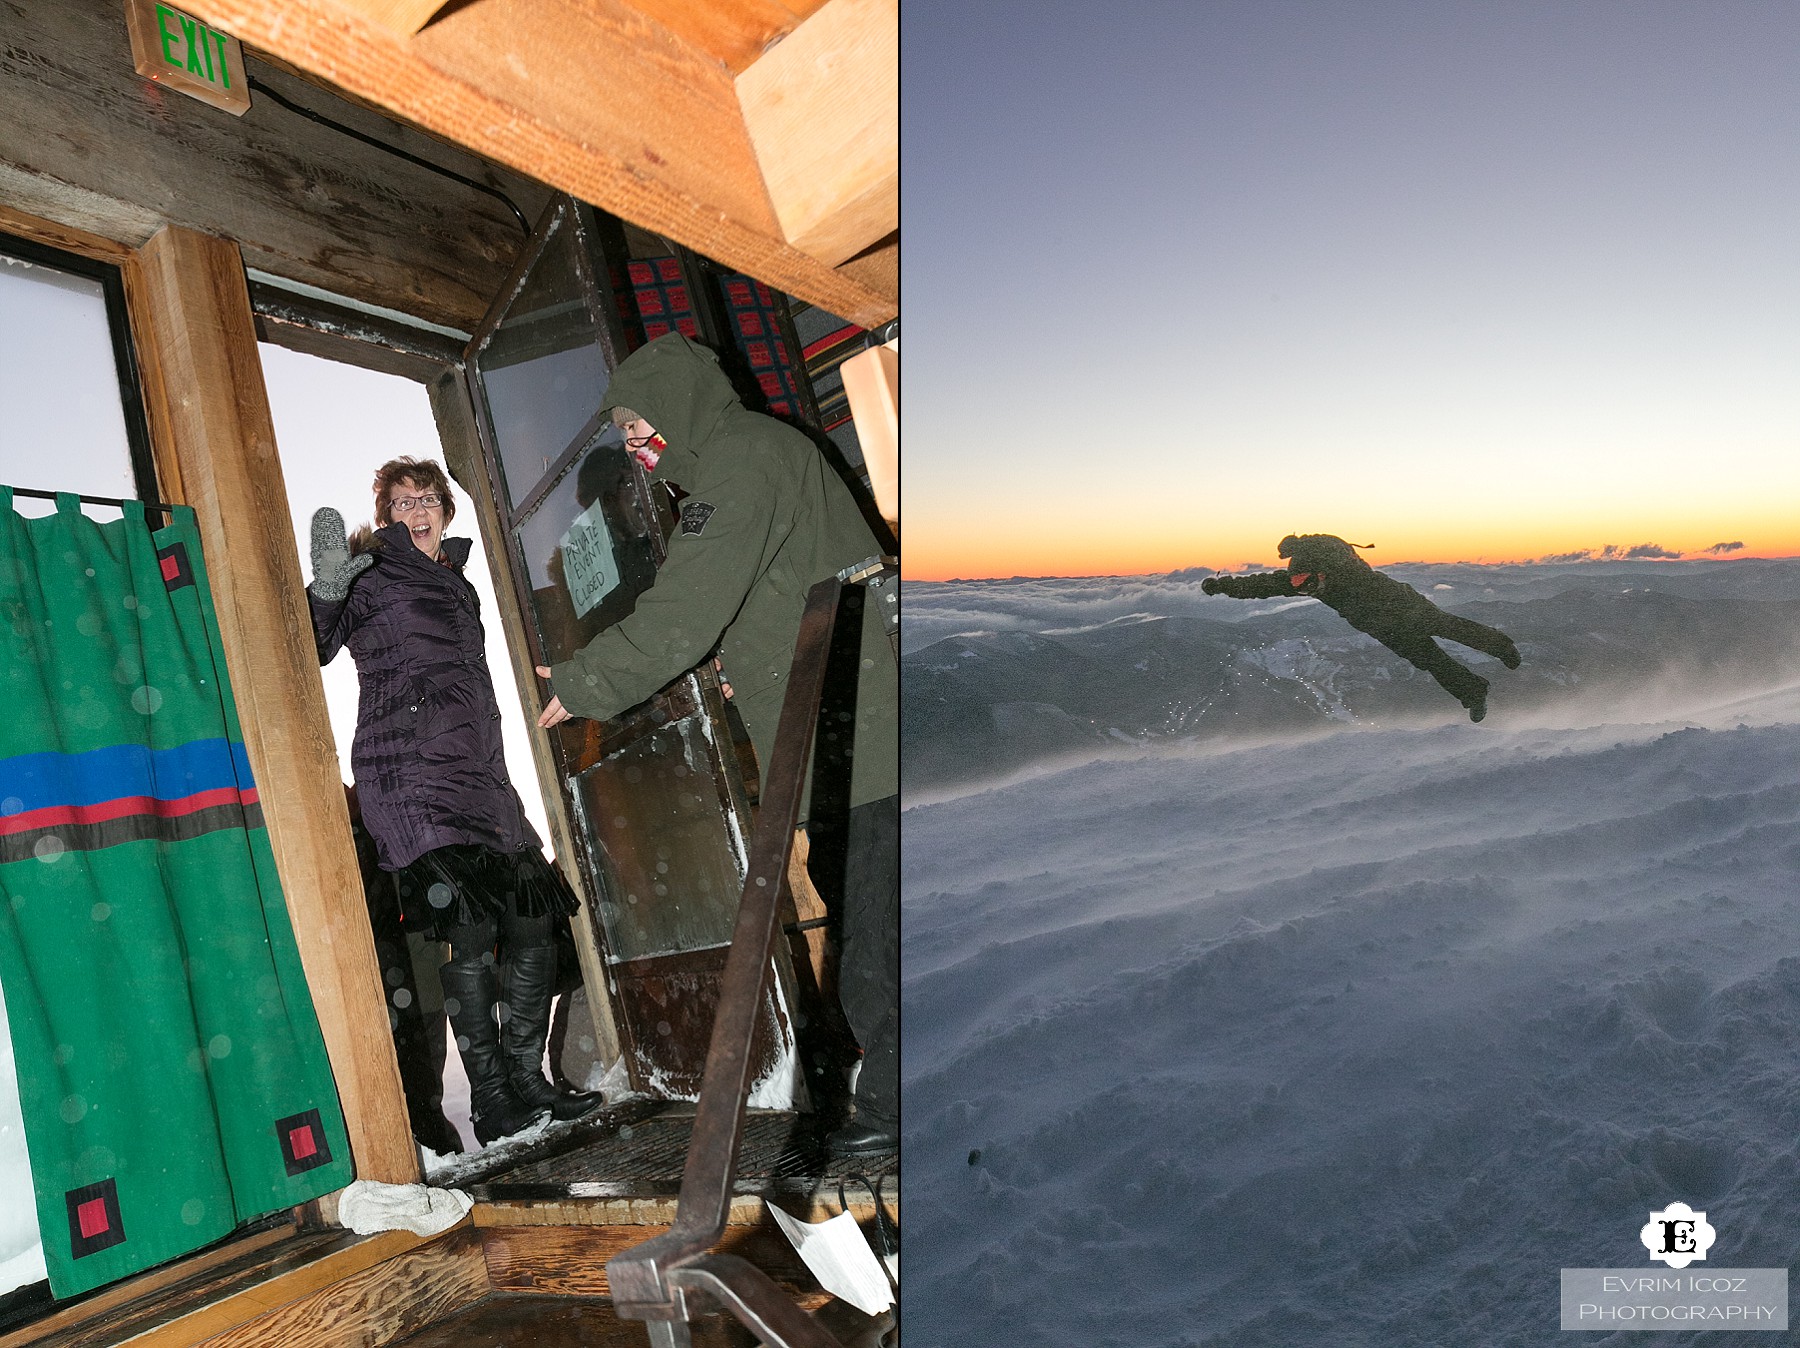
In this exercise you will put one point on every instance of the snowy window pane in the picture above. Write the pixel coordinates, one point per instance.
(64, 428)
(543, 372)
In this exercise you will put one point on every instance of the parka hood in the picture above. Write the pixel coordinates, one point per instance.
(677, 386)
(1321, 552)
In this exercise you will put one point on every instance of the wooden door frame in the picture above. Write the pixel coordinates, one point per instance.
(214, 441)
(555, 756)
(316, 327)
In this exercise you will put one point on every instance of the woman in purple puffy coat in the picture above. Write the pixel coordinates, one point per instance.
(432, 783)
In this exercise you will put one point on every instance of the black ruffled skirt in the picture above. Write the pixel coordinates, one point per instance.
(465, 883)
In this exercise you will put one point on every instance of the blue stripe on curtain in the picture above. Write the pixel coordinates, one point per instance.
(36, 781)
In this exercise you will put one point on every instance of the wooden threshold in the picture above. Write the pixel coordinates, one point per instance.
(583, 1322)
(208, 1294)
(236, 1250)
(571, 1260)
(623, 1167)
(544, 1225)
(334, 1289)
(558, 1322)
(653, 1204)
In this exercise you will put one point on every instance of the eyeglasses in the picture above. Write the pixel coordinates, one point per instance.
(639, 441)
(404, 506)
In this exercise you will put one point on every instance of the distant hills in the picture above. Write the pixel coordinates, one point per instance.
(999, 674)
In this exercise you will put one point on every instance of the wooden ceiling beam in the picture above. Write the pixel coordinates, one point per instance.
(878, 268)
(823, 109)
(588, 96)
(403, 18)
(618, 84)
(735, 32)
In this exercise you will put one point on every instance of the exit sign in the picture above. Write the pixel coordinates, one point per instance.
(184, 53)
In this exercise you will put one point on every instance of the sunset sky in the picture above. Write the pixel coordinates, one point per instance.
(1482, 282)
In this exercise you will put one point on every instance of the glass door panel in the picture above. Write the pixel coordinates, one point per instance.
(656, 804)
(544, 366)
(657, 795)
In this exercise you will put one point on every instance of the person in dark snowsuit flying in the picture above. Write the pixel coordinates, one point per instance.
(1326, 568)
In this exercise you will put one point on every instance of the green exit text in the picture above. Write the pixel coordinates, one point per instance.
(197, 43)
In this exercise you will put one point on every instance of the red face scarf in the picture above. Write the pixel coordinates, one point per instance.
(651, 452)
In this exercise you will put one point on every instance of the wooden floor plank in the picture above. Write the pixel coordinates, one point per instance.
(580, 1322)
(559, 1322)
(221, 1296)
(571, 1261)
(543, 1228)
(167, 1293)
(389, 1301)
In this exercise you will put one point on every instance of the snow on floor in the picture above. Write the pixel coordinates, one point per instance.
(1350, 1041)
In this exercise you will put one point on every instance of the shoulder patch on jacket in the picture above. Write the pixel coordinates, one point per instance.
(694, 515)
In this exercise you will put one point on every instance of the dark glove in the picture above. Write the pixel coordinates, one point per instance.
(1210, 585)
(333, 566)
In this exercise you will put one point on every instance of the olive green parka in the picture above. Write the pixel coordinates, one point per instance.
(763, 519)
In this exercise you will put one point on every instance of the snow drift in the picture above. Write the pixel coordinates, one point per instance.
(1359, 1033)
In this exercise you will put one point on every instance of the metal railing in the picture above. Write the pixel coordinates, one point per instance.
(668, 1280)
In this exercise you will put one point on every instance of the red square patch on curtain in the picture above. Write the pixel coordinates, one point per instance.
(91, 1217)
(303, 1144)
(94, 1221)
(176, 569)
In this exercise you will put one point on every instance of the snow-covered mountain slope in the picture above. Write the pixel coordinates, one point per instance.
(1358, 1032)
(999, 675)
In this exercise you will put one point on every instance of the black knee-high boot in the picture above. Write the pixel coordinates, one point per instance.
(530, 984)
(495, 1108)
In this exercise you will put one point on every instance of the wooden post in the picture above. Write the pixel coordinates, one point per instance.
(823, 111)
(210, 418)
(808, 906)
(872, 384)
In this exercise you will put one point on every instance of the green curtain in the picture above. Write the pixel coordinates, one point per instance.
(171, 1072)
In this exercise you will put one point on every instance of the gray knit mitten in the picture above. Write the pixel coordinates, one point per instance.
(333, 566)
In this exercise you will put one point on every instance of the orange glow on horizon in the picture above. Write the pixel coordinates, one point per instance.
(999, 558)
(1112, 525)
